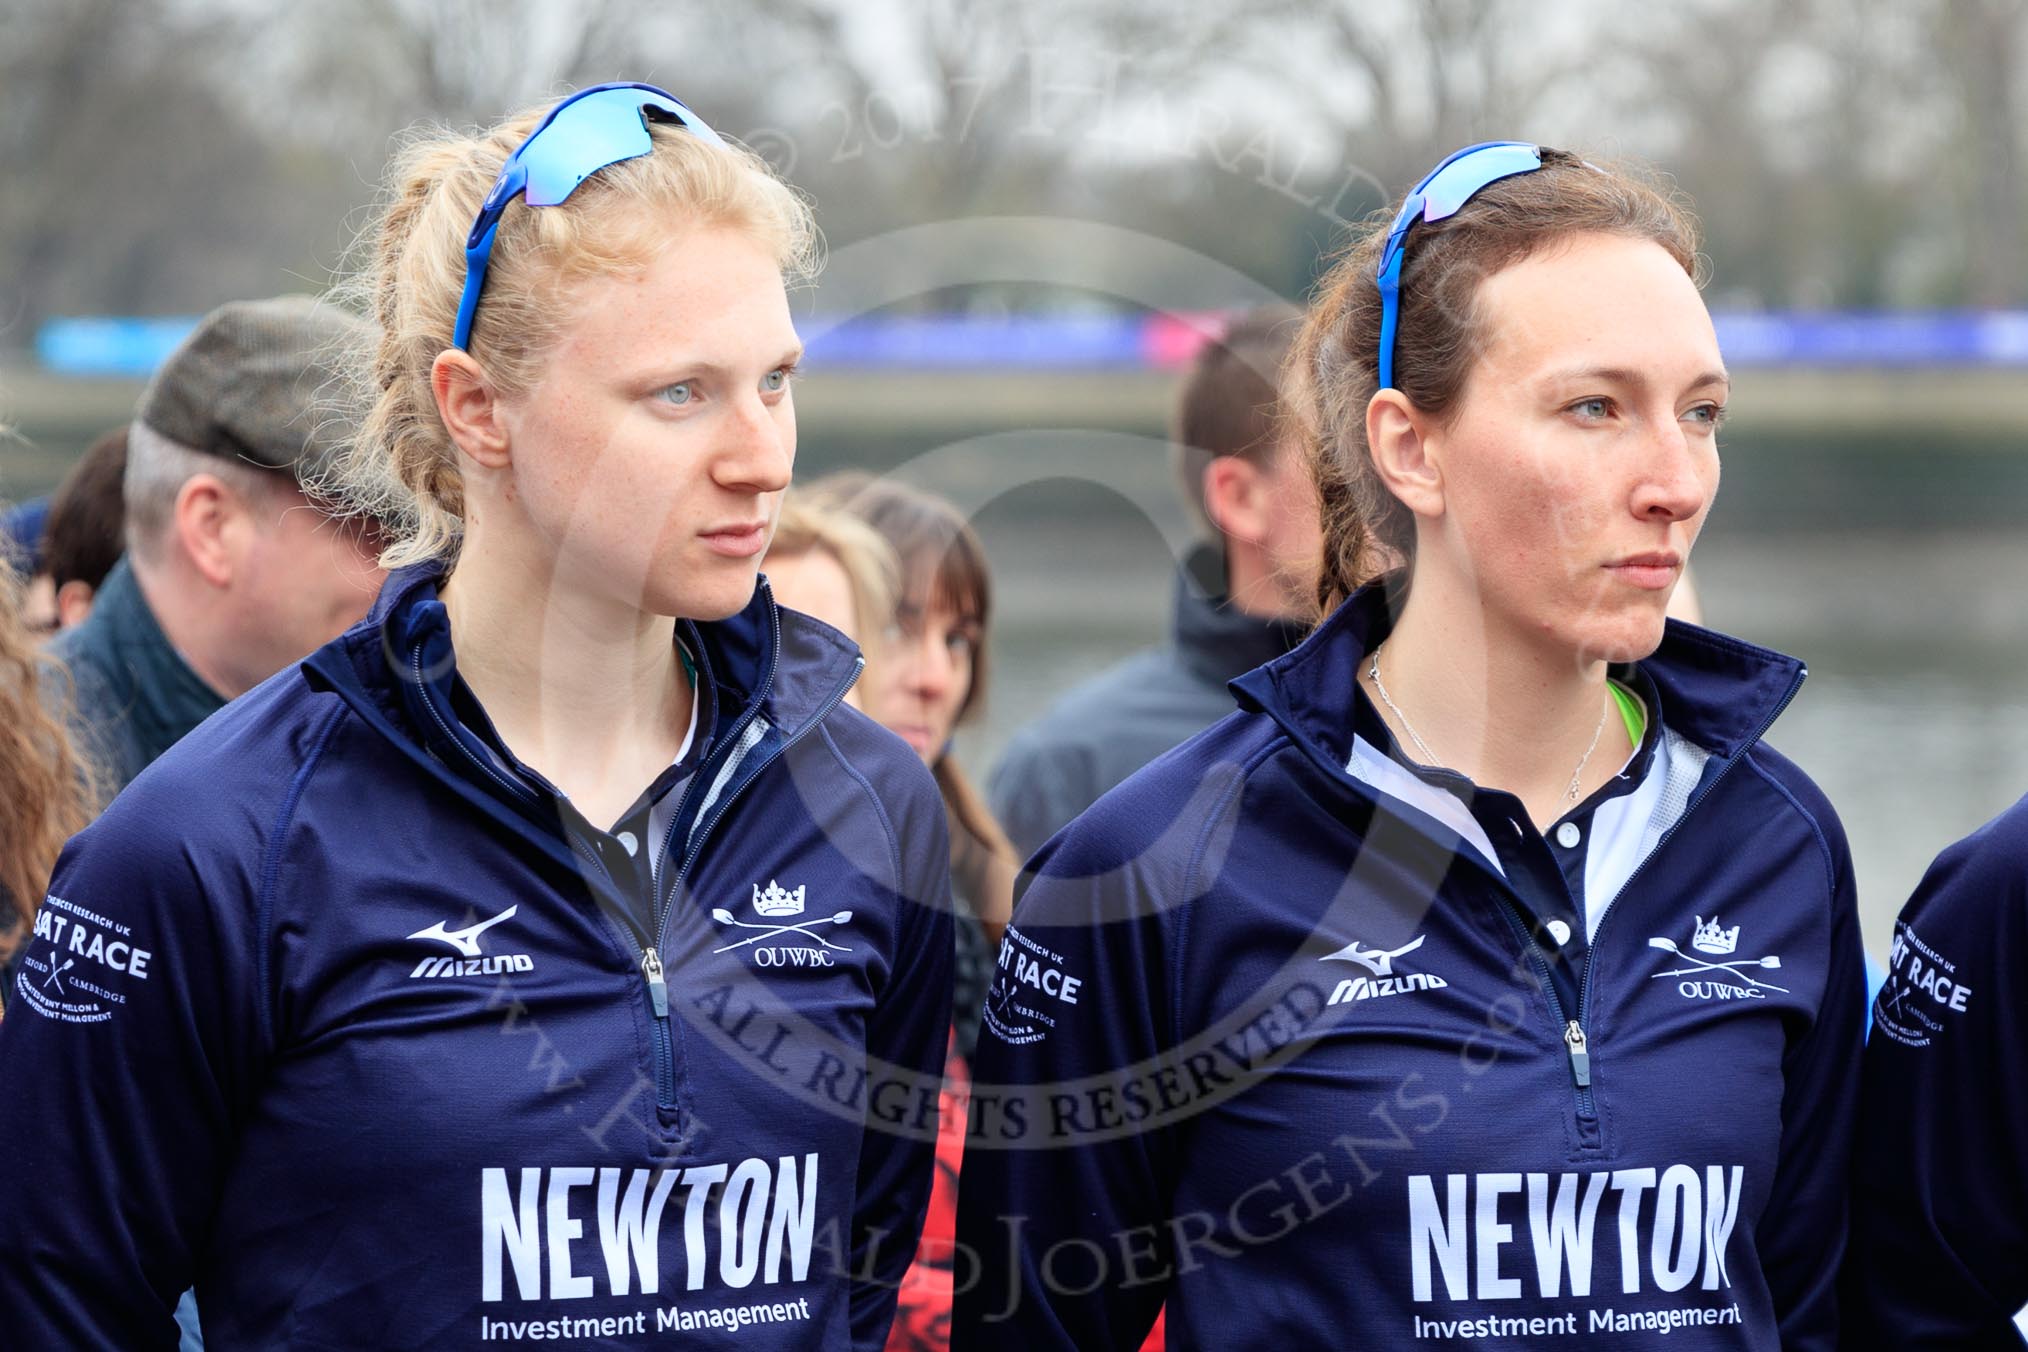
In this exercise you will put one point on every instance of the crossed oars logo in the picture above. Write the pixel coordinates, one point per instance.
(1731, 968)
(724, 917)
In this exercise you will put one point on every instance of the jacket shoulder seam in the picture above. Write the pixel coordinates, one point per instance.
(271, 862)
(1186, 910)
(1816, 827)
(879, 810)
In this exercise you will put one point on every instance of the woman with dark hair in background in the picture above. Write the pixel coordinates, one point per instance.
(1485, 976)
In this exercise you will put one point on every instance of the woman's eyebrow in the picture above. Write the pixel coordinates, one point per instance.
(681, 369)
(1620, 375)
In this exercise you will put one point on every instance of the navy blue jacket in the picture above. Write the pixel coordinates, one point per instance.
(330, 1015)
(1939, 1254)
(1274, 1048)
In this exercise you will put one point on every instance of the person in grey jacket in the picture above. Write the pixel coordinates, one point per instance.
(1243, 597)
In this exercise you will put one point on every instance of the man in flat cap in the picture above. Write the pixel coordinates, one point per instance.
(231, 572)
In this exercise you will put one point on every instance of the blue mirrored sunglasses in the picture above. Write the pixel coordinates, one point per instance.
(589, 130)
(1441, 193)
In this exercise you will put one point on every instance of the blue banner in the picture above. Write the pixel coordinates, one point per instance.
(109, 347)
(1770, 339)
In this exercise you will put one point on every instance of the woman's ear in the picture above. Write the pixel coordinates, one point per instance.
(470, 408)
(1397, 434)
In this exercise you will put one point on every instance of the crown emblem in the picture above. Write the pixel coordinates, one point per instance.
(776, 901)
(1711, 939)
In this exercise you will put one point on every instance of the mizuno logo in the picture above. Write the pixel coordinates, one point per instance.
(1385, 980)
(1379, 961)
(466, 941)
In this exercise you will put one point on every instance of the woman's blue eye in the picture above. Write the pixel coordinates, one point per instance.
(775, 381)
(1592, 408)
(1711, 415)
(679, 393)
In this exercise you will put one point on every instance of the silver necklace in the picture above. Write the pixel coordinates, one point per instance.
(1429, 757)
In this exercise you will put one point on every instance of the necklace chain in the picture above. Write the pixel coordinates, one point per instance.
(1429, 757)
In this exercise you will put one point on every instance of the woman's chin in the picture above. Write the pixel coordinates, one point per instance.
(721, 599)
(1628, 640)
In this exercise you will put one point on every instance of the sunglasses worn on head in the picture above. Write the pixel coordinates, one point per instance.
(586, 132)
(1446, 189)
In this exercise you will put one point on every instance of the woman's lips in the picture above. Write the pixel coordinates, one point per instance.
(738, 542)
(1650, 572)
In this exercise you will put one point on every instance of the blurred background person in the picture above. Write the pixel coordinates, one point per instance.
(44, 791)
(231, 571)
(1243, 596)
(834, 567)
(86, 531)
(21, 528)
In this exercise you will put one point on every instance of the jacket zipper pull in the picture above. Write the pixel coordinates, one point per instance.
(1580, 1055)
(658, 989)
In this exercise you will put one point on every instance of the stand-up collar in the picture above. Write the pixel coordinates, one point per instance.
(1215, 639)
(784, 665)
(1721, 692)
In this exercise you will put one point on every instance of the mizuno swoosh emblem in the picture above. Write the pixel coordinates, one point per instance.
(466, 941)
(1379, 961)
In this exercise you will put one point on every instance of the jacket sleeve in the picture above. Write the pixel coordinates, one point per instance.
(1801, 1237)
(906, 1038)
(1069, 1163)
(130, 1041)
(1939, 1253)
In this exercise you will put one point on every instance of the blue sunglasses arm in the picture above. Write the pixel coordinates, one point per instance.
(1389, 283)
(477, 256)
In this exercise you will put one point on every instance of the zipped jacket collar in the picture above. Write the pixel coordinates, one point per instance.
(397, 669)
(1721, 693)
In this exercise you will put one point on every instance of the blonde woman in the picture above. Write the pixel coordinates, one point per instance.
(834, 567)
(553, 955)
